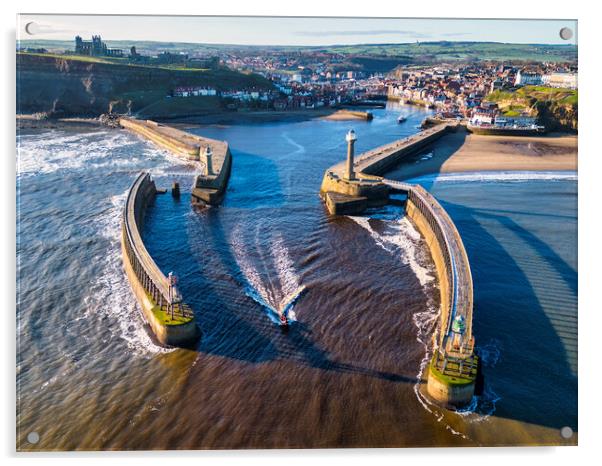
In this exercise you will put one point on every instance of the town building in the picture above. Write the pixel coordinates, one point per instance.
(527, 78)
(562, 80)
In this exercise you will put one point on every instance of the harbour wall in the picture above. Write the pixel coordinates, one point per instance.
(509, 131)
(178, 142)
(452, 374)
(447, 387)
(213, 156)
(382, 159)
(211, 188)
(150, 286)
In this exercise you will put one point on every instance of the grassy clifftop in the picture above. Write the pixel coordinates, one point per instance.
(78, 86)
(557, 109)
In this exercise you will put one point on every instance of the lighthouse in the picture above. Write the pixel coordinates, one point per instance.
(350, 138)
(208, 161)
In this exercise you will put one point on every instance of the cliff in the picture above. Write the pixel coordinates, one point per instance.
(72, 86)
(556, 109)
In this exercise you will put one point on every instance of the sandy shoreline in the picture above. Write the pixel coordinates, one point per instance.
(233, 118)
(455, 152)
(219, 118)
(465, 152)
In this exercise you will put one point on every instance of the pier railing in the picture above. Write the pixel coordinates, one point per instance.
(158, 287)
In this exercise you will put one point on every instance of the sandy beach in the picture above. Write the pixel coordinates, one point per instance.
(465, 152)
(346, 115)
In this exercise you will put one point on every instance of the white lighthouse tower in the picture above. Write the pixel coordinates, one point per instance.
(350, 138)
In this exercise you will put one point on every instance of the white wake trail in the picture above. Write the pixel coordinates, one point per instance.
(277, 296)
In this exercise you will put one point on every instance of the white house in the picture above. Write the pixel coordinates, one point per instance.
(526, 78)
(563, 80)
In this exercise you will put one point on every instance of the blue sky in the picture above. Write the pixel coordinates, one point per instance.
(293, 31)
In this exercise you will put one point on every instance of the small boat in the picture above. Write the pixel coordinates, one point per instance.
(283, 322)
(401, 119)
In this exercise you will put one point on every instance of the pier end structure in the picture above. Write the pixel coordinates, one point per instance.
(452, 375)
(359, 177)
(211, 184)
(213, 156)
(171, 320)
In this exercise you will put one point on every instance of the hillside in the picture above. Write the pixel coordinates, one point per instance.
(557, 109)
(81, 86)
(433, 52)
(415, 52)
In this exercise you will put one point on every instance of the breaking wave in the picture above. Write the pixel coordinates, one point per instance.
(400, 237)
(56, 150)
(112, 295)
(496, 177)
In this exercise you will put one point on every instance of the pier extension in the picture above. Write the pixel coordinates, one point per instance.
(213, 156)
(352, 186)
(171, 320)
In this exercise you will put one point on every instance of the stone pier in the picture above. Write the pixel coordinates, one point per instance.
(354, 185)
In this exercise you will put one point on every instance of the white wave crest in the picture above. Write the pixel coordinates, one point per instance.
(113, 296)
(400, 237)
(56, 150)
(518, 176)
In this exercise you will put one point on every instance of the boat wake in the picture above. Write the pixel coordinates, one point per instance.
(276, 294)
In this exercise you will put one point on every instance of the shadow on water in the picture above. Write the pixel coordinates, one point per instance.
(298, 346)
(533, 377)
(568, 273)
(254, 182)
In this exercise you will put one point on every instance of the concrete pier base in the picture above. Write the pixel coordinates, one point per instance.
(448, 393)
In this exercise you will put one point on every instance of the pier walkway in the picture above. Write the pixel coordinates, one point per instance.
(387, 156)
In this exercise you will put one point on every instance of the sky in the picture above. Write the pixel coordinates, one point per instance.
(291, 31)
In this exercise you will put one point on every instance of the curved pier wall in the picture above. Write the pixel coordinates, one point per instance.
(418, 210)
(427, 215)
(148, 283)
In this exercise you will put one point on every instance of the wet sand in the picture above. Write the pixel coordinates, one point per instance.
(465, 152)
(243, 117)
(345, 115)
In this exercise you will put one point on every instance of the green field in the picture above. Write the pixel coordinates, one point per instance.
(113, 61)
(415, 52)
(90, 86)
(525, 99)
